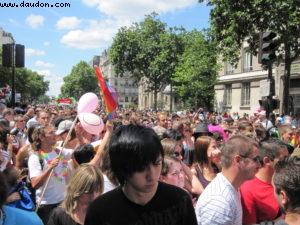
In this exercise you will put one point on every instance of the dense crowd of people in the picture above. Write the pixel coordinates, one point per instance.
(146, 167)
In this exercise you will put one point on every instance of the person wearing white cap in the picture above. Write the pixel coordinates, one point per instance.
(62, 133)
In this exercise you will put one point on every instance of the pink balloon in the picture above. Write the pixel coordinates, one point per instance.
(91, 123)
(87, 103)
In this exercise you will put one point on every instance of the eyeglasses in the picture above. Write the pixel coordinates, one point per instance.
(255, 159)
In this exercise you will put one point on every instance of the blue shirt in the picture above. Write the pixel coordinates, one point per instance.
(14, 216)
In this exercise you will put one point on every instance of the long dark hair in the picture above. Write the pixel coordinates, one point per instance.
(201, 146)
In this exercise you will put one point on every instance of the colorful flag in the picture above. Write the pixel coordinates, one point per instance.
(109, 100)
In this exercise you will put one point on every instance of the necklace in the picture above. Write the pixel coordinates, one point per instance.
(45, 156)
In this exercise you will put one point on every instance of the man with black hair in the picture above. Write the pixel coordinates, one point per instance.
(286, 181)
(258, 201)
(136, 156)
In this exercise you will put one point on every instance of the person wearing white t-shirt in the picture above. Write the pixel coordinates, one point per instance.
(44, 159)
(220, 201)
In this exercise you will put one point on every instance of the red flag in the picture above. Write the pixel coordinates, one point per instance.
(109, 101)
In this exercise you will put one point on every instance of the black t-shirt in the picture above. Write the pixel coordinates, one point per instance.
(60, 217)
(169, 206)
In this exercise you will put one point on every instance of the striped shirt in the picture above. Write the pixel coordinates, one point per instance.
(219, 204)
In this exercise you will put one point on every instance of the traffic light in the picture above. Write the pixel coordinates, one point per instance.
(275, 103)
(264, 104)
(269, 104)
(268, 48)
(20, 50)
(7, 55)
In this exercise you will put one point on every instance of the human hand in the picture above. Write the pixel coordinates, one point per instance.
(54, 162)
(15, 196)
(109, 126)
(10, 138)
(216, 156)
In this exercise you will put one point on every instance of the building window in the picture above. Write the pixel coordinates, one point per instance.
(247, 61)
(227, 95)
(126, 99)
(229, 68)
(245, 98)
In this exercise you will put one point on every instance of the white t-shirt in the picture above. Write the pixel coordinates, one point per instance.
(108, 186)
(220, 204)
(55, 191)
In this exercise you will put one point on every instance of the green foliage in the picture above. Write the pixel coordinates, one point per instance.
(44, 99)
(233, 21)
(196, 74)
(29, 84)
(81, 80)
(147, 50)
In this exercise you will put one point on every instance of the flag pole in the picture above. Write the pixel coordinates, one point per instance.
(51, 172)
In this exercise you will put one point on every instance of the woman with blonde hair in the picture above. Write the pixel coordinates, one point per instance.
(85, 186)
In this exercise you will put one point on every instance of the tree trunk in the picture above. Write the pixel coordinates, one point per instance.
(286, 81)
(171, 97)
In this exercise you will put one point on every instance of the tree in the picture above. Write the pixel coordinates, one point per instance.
(82, 79)
(147, 50)
(196, 73)
(29, 84)
(233, 21)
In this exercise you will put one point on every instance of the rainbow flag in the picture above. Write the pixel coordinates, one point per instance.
(109, 99)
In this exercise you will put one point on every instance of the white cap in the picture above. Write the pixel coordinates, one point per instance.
(64, 126)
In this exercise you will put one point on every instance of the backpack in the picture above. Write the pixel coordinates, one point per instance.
(25, 202)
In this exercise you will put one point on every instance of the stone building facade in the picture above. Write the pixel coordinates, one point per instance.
(124, 85)
(5, 37)
(240, 88)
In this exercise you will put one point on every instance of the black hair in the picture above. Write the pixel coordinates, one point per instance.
(172, 133)
(3, 137)
(3, 189)
(287, 178)
(261, 134)
(12, 175)
(84, 153)
(131, 149)
(57, 121)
